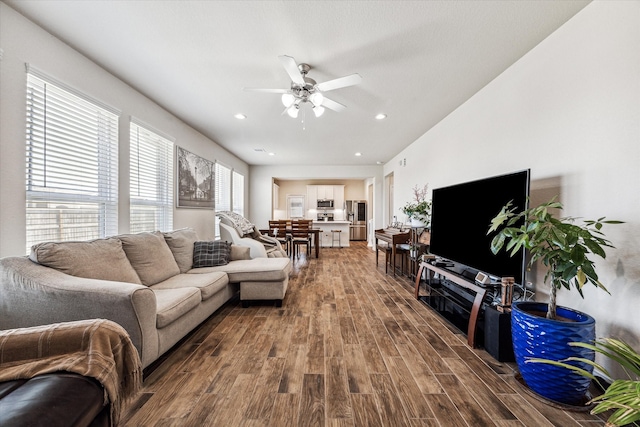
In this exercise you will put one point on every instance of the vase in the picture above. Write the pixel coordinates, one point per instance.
(535, 336)
(416, 223)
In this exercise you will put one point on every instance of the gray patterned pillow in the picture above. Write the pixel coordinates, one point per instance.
(211, 254)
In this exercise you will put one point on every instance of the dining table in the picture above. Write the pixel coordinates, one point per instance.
(314, 231)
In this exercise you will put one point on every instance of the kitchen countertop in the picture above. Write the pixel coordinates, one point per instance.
(315, 222)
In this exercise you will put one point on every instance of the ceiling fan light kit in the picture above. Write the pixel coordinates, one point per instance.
(304, 89)
(292, 111)
(288, 99)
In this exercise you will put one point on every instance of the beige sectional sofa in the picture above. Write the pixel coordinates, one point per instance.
(145, 282)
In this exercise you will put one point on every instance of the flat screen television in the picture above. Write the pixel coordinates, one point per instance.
(461, 216)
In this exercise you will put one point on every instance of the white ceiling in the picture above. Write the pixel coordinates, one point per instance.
(419, 60)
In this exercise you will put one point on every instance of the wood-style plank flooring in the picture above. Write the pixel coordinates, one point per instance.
(349, 347)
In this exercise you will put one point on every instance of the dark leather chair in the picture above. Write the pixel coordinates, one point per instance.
(51, 400)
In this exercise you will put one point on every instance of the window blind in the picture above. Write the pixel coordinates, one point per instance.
(238, 193)
(222, 193)
(71, 165)
(223, 188)
(151, 180)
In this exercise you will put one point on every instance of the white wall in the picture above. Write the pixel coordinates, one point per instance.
(24, 42)
(570, 111)
(261, 178)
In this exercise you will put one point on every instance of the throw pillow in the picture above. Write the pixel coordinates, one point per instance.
(240, 252)
(150, 256)
(101, 259)
(211, 254)
(181, 244)
(240, 223)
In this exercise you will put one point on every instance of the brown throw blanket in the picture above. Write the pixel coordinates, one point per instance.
(97, 348)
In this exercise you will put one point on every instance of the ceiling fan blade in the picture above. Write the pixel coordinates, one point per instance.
(255, 89)
(345, 81)
(333, 105)
(291, 67)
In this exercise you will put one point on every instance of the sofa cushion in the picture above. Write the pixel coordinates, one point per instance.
(150, 256)
(102, 259)
(257, 269)
(211, 254)
(209, 284)
(181, 244)
(171, 304)
(239, 252)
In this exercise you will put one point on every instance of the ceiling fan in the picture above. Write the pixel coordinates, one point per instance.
(304, 89)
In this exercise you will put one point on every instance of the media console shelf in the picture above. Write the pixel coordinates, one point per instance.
(476, 305)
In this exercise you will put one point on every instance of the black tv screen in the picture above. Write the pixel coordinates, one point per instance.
(462, 214)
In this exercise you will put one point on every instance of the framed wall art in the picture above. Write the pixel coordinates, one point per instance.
(195, 180)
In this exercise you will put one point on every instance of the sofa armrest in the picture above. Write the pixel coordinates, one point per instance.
(229, 234)
(257, 249)
(32, 295)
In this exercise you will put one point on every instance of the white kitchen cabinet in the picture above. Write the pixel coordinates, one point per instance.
(330, 192)
(338, 197)
(324, 191)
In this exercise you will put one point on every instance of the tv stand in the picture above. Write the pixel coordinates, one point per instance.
(465, 298)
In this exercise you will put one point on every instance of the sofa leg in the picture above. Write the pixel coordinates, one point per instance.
(245, 303)
(278, 303)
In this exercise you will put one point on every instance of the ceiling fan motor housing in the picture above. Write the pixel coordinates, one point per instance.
(303, 92)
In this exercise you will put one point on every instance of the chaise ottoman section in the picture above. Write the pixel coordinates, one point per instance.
(259, 278)
(252, 291)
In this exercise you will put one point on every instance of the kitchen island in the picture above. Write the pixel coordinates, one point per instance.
(325, 232)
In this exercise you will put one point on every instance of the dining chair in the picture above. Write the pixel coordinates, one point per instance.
(278, 229)
(300, 235)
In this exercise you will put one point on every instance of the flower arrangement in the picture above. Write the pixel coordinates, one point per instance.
(419, 209)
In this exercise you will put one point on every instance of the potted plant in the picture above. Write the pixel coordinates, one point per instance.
(543, 330)
(419, 209)
(622, 396)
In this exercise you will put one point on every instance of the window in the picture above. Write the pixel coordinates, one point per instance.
(223, 188)
(238, 193)
(223, 191)
(151, 180)
(71, 164)
(295, 206)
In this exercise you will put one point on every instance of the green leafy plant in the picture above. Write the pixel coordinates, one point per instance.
(419, 208)
(623, 395)
(561, 245)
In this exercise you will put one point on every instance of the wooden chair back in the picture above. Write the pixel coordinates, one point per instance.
(278, 228)
(300, 228)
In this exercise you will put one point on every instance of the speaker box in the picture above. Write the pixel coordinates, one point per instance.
(497, 335)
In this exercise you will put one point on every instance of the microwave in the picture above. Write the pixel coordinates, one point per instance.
(325, 204)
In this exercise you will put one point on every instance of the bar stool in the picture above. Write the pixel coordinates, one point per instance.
(333, 237)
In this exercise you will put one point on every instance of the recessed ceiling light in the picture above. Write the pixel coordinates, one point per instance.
(240, 116)
(358, 154)
(379, 163)
(272, 154)
(381, 116)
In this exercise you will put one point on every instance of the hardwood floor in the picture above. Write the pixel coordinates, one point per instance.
(349, 347)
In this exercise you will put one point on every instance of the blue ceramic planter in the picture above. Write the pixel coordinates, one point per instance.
(535, 336)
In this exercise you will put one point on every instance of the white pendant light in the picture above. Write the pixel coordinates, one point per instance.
(288, 99)
(316, 99)
(318, 110)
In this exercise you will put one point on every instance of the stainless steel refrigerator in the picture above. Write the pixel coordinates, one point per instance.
(357, 216)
